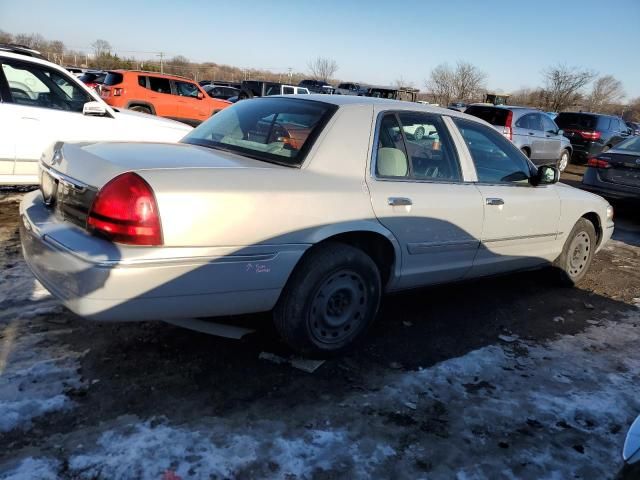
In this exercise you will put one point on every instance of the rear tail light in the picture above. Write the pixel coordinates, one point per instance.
(596, 162)
(116, 92)
(125, 211)
(508, 132)
(590, 134)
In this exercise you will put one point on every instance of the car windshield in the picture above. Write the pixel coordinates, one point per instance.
(631, 145)
(277, 130)
(569, 120)
(492, 115)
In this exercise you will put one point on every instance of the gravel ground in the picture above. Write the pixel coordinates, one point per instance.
(509, 377)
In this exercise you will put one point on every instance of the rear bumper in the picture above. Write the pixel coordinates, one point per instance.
(103, 281)
(582, 152)
(592, 182)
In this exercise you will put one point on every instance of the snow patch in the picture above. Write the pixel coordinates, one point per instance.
(33, 469)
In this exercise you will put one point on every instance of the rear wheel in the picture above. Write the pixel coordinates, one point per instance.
(563, 161)
(575, 259)
(329, 301)
(141, 109)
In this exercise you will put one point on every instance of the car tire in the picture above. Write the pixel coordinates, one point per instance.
(419, 133)
(563, 161)
(330, 299)
(141, 109)
(574, 261)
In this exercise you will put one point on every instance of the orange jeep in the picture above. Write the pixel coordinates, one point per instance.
(168, 96)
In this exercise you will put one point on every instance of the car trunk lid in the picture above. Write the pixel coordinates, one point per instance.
(624, 168)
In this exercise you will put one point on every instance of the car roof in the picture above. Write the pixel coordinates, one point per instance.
(21, 50)
(156, 74)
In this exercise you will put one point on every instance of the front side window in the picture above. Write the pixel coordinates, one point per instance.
(278, 130)
(185, 89)
(160, 85)
(496, 159)
(36, 86)
(416, 145)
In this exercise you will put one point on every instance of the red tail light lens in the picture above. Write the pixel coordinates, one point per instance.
(508, 131)
(590, 134)
(125, 211)
(597, 163)
(116, 92)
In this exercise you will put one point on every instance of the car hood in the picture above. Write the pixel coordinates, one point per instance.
(96, 163)
(146, 119)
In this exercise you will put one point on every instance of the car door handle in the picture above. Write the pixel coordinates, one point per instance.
(495, 201)
(399, 201)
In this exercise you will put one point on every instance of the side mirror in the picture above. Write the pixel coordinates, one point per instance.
(560, 132)
(95, 109)
(546, 175)
(200, 96)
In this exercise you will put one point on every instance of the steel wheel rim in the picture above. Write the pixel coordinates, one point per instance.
(579, 252)
(419, 133)
(564, 161)
(338, 307)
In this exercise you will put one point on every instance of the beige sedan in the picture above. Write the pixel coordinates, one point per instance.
(312, 207)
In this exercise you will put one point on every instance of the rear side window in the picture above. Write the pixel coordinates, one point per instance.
(416, 145)
(496, 159)
(278, 130)
(160, 85)
(113, 78)
(495, 116)
(142, 81)
(604, 123)
(569, 120)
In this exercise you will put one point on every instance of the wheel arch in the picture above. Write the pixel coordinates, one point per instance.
(594, 218)
(141, 103)
(376, 241)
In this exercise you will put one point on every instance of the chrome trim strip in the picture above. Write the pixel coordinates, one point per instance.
(264, 257)
(521, 237)
(67, 180)
(428, 247)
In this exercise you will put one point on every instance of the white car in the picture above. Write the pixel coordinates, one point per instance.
(311, 206)
(42, 103)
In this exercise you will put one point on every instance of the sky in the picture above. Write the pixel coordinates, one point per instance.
(375, 42)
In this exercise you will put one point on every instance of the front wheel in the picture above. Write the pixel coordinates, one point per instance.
(329, 301)
(577, 253)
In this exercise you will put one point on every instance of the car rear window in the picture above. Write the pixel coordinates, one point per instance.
(567, 120)
(113, 78)
(277, 130)
(495, 116)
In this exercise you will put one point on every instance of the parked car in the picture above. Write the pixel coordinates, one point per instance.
(220, 91)
(532, 131)
(316, 86)
(93, 78)
(77, 71)
(591, 133)
(158, 94)
(458, 106)
(255, 88)
(42, 103)
(352, 89)
(616, 172)
(635, 127)
(263, 207)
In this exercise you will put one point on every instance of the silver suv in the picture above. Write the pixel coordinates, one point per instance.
(532, 131)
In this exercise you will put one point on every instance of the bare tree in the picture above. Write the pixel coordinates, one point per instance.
(101, 48)
(468, 81)
(401, 82)
(441, 84)
(607, 90)
(5, 37)
(323, 68)
(563, 86)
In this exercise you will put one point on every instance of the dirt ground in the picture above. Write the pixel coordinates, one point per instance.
(510, 377)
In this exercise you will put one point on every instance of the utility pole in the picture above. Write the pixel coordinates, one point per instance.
(290, 74)
(161, 55)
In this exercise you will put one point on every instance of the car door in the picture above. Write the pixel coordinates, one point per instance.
(520, 226)
(190, 104)
(45, 106)
(7, 126)
(553, 142)
(160, 96)
(536, 132)
(418, 191)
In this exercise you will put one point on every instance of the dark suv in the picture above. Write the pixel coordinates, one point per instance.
(592, 133)
(316, 86)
